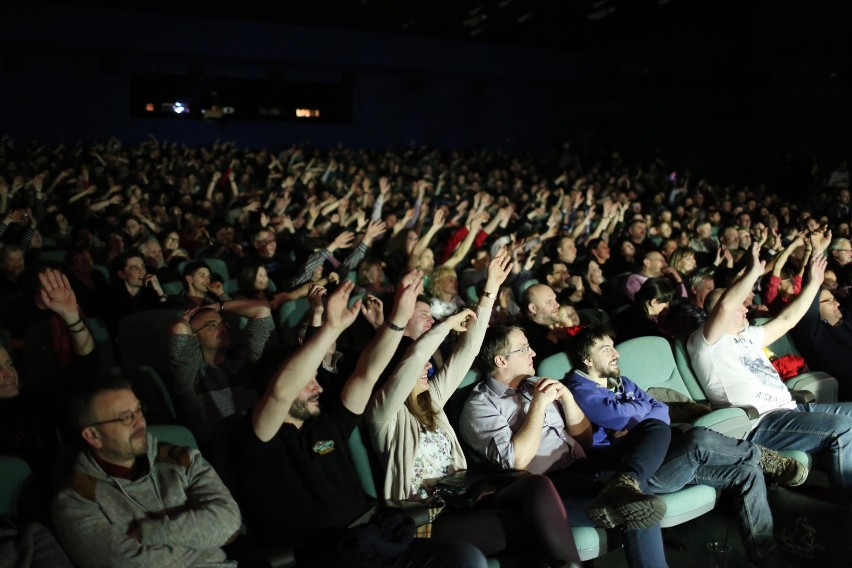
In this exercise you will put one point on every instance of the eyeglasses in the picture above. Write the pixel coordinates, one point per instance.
(828, 300)
(126, 418)
(211, 325)
(524, 350)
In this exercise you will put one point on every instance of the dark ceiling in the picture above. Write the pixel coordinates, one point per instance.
(565, 24)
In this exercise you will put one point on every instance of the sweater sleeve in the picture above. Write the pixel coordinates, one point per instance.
(389, 399)
(448, 377)
(605, 408)
(211, 516)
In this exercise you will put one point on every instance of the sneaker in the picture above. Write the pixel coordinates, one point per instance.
(621, 502)
(784, 470)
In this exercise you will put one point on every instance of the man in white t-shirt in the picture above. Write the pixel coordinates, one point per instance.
(728, 358)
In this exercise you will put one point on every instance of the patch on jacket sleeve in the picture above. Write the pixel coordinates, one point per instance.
(83, 484)
(178, 455)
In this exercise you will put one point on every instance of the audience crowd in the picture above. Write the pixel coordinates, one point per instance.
(291, 293)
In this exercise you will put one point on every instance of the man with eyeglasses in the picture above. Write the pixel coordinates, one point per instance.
(516, 420)
(209, 379)
(824, 336)
(131, 500)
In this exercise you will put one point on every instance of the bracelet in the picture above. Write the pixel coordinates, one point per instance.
(490, 295)
(394, 327)
(81, 330)
(221, 305)
(70, 325)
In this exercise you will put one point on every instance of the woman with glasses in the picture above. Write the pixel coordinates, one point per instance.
(418, 447)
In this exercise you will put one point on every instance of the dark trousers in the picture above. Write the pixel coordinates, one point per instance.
(526, 515)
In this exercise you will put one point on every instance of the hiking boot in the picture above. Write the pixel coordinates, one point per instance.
(621, 502)
(784, 470)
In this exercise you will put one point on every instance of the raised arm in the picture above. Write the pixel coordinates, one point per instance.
(373, 360)
(796, 309)
(301, 367)
(423, 242)
(462, 250)
(727, 309)
(58, 297)
(251, 309)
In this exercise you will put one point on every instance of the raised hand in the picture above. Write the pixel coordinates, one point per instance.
(373, 311)
(343, 240)
(337, 313)
(460, 321)
(56, 293)
(498, 270)
(409, 288)
(816, 268)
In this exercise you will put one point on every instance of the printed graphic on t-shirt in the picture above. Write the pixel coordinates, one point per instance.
(324, 446)
(757, 365)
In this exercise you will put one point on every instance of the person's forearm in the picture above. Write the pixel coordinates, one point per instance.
(797, 308)
(81, 338)
(314, 261)
(527, 439)
(462, 250)
(252, 309)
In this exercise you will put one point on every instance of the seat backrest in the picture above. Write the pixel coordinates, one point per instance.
(150, 390)
(555, 367)
(531, 282)
(172, 288)
(291, 313)
(103, 342)
(592, 315)
(14, 476)
(142, 339)
(173, 434)
(684, 367)
(470, 294)
(361, 460)
(649, 362)
(40, 363)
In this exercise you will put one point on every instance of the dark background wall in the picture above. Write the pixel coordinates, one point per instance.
(725, 93)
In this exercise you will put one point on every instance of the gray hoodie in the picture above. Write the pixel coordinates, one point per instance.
(182, 510)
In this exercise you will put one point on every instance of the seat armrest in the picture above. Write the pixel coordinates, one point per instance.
(750, 411)
(802, 396)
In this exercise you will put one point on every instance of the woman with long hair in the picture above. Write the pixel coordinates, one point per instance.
(418, 446)
(643, 317)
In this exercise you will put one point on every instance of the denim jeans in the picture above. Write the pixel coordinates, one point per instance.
(638, 453)
(701, 456)
(814, 428)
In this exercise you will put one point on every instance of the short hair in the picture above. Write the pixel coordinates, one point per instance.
(698, 277)
(660, 289)
(192, 267)
(496, 342)
(526, 298)
(546, 268)
(592, 244)
(80, 403)
(121, 261)
(579, 347)
(838, 243)
(6, 250)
